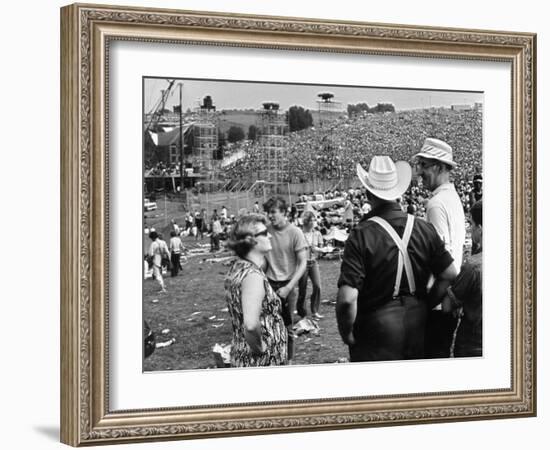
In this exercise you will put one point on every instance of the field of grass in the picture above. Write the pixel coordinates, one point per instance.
(238, 119)
(193, 313)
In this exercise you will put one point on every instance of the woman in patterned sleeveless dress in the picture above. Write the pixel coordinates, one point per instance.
(259, 333)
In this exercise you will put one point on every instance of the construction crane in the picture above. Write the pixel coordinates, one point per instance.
(158, 109)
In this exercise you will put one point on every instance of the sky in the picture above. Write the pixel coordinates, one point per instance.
(245, 95)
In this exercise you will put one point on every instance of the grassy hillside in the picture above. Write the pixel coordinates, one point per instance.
(241, 119)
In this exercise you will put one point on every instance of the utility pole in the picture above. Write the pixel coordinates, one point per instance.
(182, 165)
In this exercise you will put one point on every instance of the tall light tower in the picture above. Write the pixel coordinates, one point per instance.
(329, 111)
(325, 104)
(182, 165)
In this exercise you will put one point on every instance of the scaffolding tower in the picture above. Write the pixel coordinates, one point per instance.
(272, 128)
(205, 139)
(329, 109)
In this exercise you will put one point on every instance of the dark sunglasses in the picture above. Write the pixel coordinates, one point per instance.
(261, 233)
(424, 164)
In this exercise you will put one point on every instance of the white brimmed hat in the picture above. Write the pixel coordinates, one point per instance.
(386, 179)
(438, 150)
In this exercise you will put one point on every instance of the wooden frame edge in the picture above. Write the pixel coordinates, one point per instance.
(70, 374)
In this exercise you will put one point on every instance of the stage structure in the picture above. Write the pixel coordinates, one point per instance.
(179, 147)
(272, 127)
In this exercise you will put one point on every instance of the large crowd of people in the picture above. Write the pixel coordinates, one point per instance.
(161, 169)
(334, 149)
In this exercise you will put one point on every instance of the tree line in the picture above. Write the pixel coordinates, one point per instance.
(359, 108)
(299, 118)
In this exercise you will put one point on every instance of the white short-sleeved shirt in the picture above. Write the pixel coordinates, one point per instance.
(348, 211)
(157, 250)
(445, 212)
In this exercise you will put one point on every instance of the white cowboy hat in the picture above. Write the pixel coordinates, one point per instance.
(386, 179)
(438, 150)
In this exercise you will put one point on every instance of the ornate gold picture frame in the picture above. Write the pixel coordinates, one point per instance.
(87, 32)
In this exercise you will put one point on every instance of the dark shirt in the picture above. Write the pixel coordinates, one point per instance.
(475, 196)
(370, 258)
(467, 292)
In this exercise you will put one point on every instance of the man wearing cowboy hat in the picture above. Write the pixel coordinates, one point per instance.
(445, 212)
(382, 301)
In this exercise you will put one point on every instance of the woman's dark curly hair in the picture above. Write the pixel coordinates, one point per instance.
(242, 240)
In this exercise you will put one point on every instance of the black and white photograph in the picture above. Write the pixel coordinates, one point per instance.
(296, 224)
(271, 223)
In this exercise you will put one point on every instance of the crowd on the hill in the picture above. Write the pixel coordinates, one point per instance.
(332, 151)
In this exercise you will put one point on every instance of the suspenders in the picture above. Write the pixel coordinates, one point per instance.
(403, 256)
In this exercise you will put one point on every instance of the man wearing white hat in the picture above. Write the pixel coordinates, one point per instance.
(382, 301)
(445, 212)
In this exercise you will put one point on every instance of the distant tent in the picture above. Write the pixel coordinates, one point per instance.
(154, 137)
(170, 136)
(336, 234)
(233, 158)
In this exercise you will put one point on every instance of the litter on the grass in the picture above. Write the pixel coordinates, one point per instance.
(222, 355)
(165, 344)
(306, 325)
(223, 259)
(165, 331)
